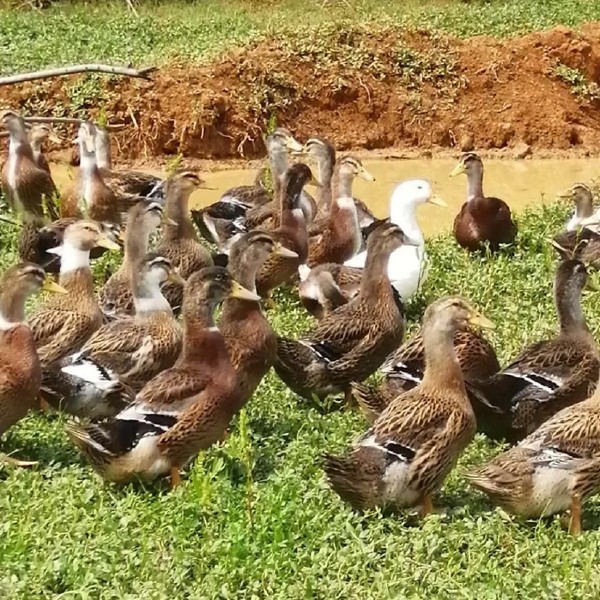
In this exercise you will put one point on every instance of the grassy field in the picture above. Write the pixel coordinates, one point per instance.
(164, 31)
(255, 518)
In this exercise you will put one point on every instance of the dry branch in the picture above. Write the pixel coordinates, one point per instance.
(91, 68)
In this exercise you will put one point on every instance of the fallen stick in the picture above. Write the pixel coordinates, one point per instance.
(91, 68)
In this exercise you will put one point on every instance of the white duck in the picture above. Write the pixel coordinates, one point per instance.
(407, 268)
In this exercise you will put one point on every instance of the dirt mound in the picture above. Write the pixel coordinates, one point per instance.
(361, 87)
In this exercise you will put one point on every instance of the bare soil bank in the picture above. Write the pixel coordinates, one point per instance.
(362, 88)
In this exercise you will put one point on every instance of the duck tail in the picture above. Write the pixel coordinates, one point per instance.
(371, 399)
(93, 441)
(356, 476)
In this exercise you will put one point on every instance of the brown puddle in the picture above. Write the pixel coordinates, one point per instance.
(517, 182)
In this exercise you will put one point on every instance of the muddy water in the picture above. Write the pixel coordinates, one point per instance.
(518, 182)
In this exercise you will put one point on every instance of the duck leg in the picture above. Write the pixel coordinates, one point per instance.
(175, 477)
(575, 521)
(15, 462)
(426, 506)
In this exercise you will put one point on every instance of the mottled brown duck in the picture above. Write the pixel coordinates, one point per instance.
(101, 379)
(412, 447)
(184, 409)
(179, 241)
(351, 342)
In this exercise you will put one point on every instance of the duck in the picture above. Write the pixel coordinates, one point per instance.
(20, 369)
(30, 190)
(101, 379)
(340, 236)
(249, 337)
(124, 183)
(63, 324)
(581, 234)
(408, 266)
(179, 241)
(351, 342)
(404, 458)
(322, 153)
(181, 411)
(91, 197)
(482, 220)
(581, 195)
(116, 297)
(322, 289)
(554, 469)
(403, 370)
(292, 233)
(38, 134)
(225, 218)
(549, 375)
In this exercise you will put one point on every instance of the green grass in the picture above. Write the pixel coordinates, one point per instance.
(255, 518)
(73, 32)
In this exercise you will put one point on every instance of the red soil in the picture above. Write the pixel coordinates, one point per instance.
(480, 92)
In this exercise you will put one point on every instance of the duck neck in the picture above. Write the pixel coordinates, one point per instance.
(148, 298)
(19, 145)
(344, 184)
(325, 168)
(404, 214)
(475, 182)
(442, 368)
(12, 309)
(177, 210)
(278, 163)
(136, 242)
(201, 338)
(73, 258)
(568, 307)
(103, 157)
(375, 278)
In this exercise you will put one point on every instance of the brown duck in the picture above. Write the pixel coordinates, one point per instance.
(20, 370)
(62, 325)
(411, 448)
(184, 409)
(482, 219)
(250, 339)
(179, 242)
(404, 369)
(122, 356)
(292, 233)
(351, 342)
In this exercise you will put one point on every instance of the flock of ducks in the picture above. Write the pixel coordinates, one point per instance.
(148, 391)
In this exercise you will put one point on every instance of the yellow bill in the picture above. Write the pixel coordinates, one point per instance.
(51, 286)
(240, 292)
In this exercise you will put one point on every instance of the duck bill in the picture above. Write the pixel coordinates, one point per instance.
(479, 320)
(105, 242)
(565, 194)
(241, 293)
(175, 277)
(437, 201)
(294, 146)
(281, 250)
(410, 242)
(54, 288)
(315, 182)
(167, 221)
(364, 174)
(459, 169)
